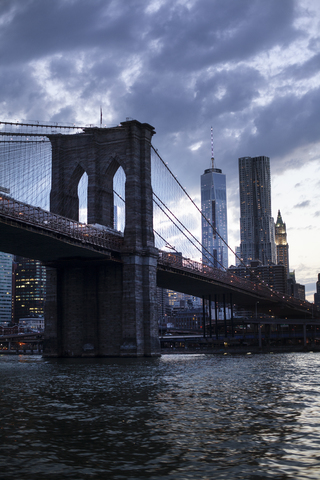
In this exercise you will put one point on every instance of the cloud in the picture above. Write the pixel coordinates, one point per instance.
(249, 69)
(304, 204)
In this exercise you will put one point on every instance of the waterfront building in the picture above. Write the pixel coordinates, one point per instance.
(257, 230)
(295, 289)
(186, 320)
(214, 209)
(32, 324)
(273, 276)
(281, 243)
(5, 288)
(29, 287)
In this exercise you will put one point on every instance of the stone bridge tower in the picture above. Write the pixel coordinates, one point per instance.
(104, 308)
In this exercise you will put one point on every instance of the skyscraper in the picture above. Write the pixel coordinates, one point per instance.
(5, 287)
(214, 208)
(30, 288)
(281, 242)
(317, 294)
(257, 230)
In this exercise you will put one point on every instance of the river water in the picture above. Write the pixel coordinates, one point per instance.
(176, 417)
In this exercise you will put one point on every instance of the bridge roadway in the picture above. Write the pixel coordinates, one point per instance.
(36, 233)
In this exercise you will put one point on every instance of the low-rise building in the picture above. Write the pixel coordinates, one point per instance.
(32, 324)
(273, 276)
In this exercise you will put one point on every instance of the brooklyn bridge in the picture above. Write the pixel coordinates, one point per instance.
(141, 232)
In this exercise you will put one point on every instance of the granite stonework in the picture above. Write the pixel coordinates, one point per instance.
(104, 308)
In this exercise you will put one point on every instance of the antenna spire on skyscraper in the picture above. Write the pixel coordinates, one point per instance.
(212, 157)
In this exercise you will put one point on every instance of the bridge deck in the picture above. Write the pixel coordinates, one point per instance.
(196, 279)
(37, 233)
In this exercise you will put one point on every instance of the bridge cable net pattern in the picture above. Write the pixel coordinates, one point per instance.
(177, 226)
(25, 183)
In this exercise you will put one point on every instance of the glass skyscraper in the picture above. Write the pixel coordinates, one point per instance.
(214, 208)
(257, 230)
(5, 287)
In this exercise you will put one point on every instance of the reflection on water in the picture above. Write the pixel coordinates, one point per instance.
(175, 417)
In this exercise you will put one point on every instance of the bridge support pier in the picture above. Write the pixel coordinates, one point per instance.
(105, 308)
(83, 311)
(140, 334)
(102, 310)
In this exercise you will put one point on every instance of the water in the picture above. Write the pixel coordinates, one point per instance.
(176, 417)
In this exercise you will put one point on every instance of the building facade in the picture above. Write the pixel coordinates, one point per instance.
(186, 320)
(214, 208)
(29, 288)
(295, 289)
(273, 276)
(257, 231)
(5, 288)
(32, 324)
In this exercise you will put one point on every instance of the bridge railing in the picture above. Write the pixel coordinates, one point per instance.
(174, 260)
(90, 234)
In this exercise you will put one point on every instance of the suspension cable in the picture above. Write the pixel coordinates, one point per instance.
(194, 204)
(201, 251)
(205, 218)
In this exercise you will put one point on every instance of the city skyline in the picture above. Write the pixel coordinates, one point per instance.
(250, 69)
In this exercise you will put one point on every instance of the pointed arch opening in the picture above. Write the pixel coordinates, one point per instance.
(83, 198)
(119, 200)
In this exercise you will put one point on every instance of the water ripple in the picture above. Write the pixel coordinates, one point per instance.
(177, 417)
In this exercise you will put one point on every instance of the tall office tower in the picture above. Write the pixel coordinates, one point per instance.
(5, 287)
(281, 242)
(30, 288)
(257, 229)
(214, 208)
(317, 294)
(237, 257)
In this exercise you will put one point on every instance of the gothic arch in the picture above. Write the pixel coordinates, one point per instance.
(100, 152)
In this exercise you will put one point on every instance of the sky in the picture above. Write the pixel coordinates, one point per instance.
(250, 69)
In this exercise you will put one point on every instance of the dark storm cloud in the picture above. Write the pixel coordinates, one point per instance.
(305, 70)
(181, 66)
(287, 122)
(211, 32)
(34, 29)
(221, 94)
